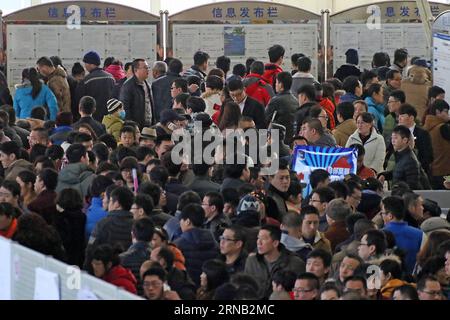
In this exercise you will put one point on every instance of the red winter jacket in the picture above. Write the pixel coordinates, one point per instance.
(257, 88)
(121, 277)
(329, 107)
(270, 72)
(116, 71)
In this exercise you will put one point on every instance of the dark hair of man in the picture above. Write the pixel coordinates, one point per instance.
(75, 152)
(69, 199)
(308, 209)
(135, 64)
(12, 186)
(45, 61)
(145, 202)
(87, 104)
(317, 176)
(235, 84)
(285, 78)
(304, 64)
(38, 113)
(151, 189)
(398, 95)
(159, 175)
(175, 66)
(380, 59)
(10, 147)
(400, 55)
(312, 279)
(325, 256)
(197, 104)
(295, 188)
(101, 152)
(366, 76)
(390, 75)
(356, 278)
(82, 137)
(142, 152)
(410, 199)
(188, 197)
(395, 206)
(182, 98)
(195, 213)
(326, 194)
(351, 220)
(408, 109)
(309, 91)
(274, 232)
(214, 82)
(392, 267)
(435, 91)
(403, 132)
(422, 283)
(27, 176)
(215, 199)
(200, 58)
(99, 185)
(350, 84)
(346, 110)
(223, 62)
(167, 255)
(439, 105)
(124, 197)
(407, 291)
(180, 83)
(378, 239)
(50, 178)
(157, 271)
(128, 129)
(366, 117)
(200, 169)
(285, 278)
(239, 70)
(257, 67)
(340, 189)
(239, 234)
(373, 88)
(295, 57)
(359, 148)
(172, 168)
(109, 140)
(231, 196)
(275, 53)
(143, 229)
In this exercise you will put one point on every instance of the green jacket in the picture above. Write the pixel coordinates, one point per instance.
(113, 125)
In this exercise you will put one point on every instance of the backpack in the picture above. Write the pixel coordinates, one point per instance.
(257, 91)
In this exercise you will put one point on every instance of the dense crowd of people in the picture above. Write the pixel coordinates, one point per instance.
(89, 175)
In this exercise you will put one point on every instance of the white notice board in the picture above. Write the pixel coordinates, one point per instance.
(390, 37)
(27, 43)
(441, 62)
(241, 41)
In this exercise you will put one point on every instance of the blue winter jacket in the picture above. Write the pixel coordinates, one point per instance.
(197, 245)
(24, 102)
(349, 97)
(95, 213)
(408, 239)
(377, 110)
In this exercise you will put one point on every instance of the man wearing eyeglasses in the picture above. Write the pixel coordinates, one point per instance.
(429, 288)
(136, 95)
(215, 220)
(306, 287)
(372, 245)
(232, 250)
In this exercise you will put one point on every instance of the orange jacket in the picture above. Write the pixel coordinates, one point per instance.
(8, 233)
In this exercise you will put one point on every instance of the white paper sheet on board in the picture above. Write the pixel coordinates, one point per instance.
(5, 269)
(46, 285)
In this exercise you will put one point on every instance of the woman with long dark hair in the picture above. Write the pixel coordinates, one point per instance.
(229, 118)
(31, 93)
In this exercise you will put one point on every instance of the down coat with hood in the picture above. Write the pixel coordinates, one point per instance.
(24, 102)
(57, 82)
(416, 87)
(121, 277)
(77, 176)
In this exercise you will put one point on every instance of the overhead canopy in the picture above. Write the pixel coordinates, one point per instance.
(247, 11)
(391, 12)
(90, 12)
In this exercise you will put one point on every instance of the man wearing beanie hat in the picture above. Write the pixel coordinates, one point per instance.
(336, 212)
(97, 84)
(350, 68)
(113, 121)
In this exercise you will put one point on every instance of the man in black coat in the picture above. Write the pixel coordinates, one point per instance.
(407, 117)
(249, 106)
(86, 108)
(281, 108)
(161, 87)
(136, 96)
(307, 99)
(407, 167)
(97, 84)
